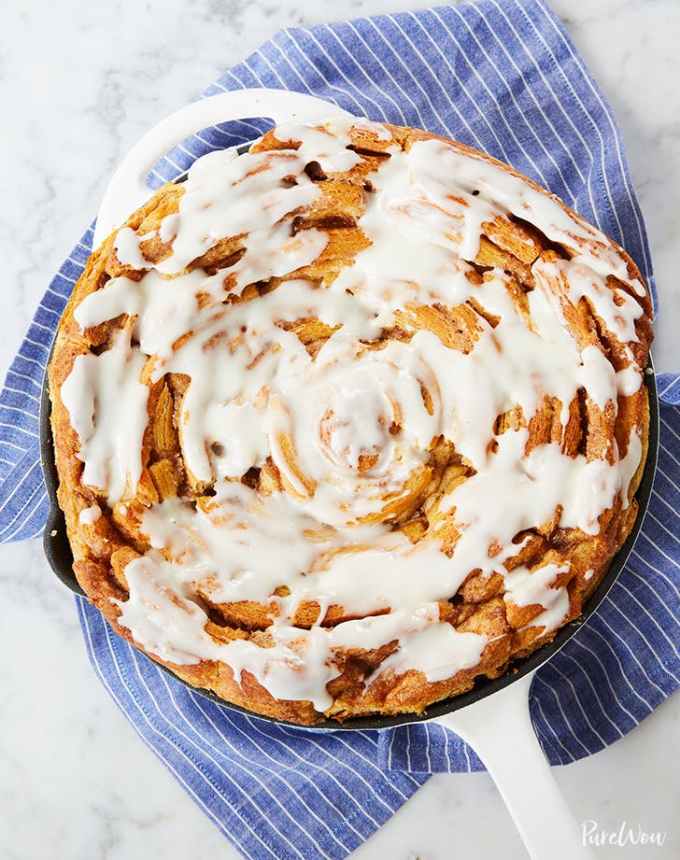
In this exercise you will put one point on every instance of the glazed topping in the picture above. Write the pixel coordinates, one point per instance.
(325, 415)
(90, 515)
(107, 405)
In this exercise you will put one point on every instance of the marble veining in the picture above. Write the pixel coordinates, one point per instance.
(80, 82)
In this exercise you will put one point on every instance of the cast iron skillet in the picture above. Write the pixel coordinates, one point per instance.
(118, 201)
(500, 730)
(60, 558)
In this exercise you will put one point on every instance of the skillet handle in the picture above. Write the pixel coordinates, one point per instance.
(499, 729)
(127, 189)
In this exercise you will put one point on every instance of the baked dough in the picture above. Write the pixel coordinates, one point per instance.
(348, 421)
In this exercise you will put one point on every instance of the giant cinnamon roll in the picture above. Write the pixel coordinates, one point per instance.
(347, 421)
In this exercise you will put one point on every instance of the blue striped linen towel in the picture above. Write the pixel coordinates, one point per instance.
(504, 77)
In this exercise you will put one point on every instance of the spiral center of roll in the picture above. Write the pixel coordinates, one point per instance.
(355, 427)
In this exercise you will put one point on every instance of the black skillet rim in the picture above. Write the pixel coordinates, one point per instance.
(60, 558)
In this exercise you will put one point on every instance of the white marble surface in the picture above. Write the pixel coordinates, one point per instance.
(79, 82)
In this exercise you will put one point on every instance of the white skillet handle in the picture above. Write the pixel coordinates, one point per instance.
(127, 189)
(499, 729)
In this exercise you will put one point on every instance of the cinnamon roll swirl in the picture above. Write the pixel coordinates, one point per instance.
(347, 421)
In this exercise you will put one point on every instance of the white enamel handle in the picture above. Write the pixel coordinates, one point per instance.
(499, 730)
(127, 189)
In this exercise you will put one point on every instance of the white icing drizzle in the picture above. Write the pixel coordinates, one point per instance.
(525, 587)
(438, 651)
(89, 516)
(628, 381)
(615, 307)
(229, 196)
(226, 195)
(348, 427)
(501, 190)
(326, 144)
(375, 128)
(106, 403)
(557, 608)
(163, 309)
(228, 551)
(127, 249)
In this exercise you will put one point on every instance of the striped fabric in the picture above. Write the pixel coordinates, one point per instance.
(503, 76)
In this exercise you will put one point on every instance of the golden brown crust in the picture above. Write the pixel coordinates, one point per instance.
(102, 548)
